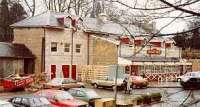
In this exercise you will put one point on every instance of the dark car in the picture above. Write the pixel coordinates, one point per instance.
(85, 94)
(30, 101)
(191, 83)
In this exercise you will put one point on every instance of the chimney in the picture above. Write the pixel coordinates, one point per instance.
(102, 17)
(61, 20)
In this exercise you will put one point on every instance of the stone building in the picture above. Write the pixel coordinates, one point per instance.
(59, 40)
(50, 37)
(15, 58)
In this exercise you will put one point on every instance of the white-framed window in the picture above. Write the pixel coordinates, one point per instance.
(54, 46)
(78, 48)
(66, 47)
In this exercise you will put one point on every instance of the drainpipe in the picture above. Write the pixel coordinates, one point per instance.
(43, 52)
(72, 48)
(88, 51)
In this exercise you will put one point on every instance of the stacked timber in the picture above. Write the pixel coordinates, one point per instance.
(87, 73)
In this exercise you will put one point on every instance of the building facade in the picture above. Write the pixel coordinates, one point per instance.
(51, 43)
(158, 60)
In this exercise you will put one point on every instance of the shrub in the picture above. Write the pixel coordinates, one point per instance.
(139, 100)
(156, 96)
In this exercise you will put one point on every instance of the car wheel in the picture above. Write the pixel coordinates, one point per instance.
(82, 86)
(113, 87)
(95, 85)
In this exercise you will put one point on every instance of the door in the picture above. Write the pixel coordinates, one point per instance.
(74, 72)
(134, 70)
(53, 71)
(65, 69)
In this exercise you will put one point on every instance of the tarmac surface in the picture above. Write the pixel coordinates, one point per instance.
(172, 94)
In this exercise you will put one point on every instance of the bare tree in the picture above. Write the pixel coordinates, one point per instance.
(31, 5)
(76, 7)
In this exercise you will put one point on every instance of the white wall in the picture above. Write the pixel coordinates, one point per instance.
(60, 57)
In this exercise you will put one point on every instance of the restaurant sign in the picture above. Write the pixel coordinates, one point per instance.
(154, 51)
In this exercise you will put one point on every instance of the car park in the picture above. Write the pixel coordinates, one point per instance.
(63, 83)
(30, 101)
(61, 98)
(139, 82)
(5, 104)
(85, 94)
(108, 83)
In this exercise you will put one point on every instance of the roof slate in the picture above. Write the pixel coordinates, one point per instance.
(49, 19)
(8, 50)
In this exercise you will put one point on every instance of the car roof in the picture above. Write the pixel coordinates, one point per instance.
(3, 102)
(81, 89)
(28, 96)
(51, 91)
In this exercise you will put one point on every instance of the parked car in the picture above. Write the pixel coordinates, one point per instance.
(63, 83)
(188, 75)
(61, 98)
(108, 83)
(191, 83)
(191, 80)
(5, 104)
(30, 101)
(85, 94)
(139, 82)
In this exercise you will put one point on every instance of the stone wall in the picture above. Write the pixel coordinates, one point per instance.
(60, 57)
(32, 39)
(195, 64)
(102, 52)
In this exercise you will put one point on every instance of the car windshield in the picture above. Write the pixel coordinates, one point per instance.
(56, 81)
(63, 96)
(196, 74)
(40, 102)
(92, 94)
(68, 80)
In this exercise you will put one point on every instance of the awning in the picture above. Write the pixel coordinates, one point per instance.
(123, 61)
(183, 63)
(138, 63)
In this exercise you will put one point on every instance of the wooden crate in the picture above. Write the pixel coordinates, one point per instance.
(105, 102)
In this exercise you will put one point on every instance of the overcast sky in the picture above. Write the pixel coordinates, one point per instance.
(176, 26)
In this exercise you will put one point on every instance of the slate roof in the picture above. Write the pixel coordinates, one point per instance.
(48, 19)
(93, 25)
(8, 50)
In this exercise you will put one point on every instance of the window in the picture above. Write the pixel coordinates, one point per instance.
(66, 47)
(53, 46)
(78, 48)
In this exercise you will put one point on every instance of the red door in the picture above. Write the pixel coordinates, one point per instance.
(74, 72)
(65, 69)
(53, 71)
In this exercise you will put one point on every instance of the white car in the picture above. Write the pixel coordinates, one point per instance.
(188, 75)
(5, 104)
(108, 83)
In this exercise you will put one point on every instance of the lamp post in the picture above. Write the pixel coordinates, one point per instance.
(116, 75)
(165, 48)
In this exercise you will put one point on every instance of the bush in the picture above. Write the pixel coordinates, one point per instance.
(139, 100)
(156, 96)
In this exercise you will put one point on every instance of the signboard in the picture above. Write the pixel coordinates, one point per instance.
(154, 51)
